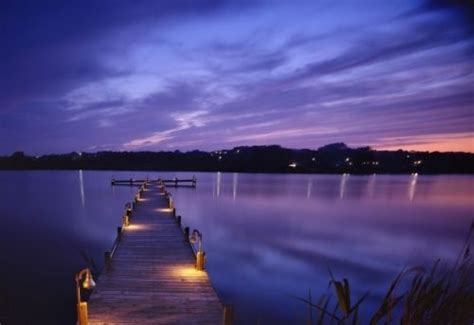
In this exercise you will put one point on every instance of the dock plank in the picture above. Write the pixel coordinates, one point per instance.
(152, 277)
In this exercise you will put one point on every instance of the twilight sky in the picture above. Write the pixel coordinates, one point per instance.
(82, 75)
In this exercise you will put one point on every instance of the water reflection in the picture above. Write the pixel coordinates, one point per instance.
(81, 185)
(234, 185)
(371, 186)
(286, 232)
(342, 186)
(309, 187)
(267, 236)
(45, 229)
(412, 186)
(217, 187)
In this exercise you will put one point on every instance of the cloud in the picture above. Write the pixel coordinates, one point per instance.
(276, 136)
(51, 48)
(181, 74)
(184, 122)
(382, 47)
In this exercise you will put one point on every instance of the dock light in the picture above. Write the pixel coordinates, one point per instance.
(196, 236)
(128, 208)
(88, 283)
(126, 220)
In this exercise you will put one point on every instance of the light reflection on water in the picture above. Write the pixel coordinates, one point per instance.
(81, 183)
(267, 237)
(273, 236)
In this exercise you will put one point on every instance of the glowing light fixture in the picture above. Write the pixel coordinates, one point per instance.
(88, 283)
(196, 237)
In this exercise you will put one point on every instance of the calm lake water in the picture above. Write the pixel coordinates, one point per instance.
(268, 238)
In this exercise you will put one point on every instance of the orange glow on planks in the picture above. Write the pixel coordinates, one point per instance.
(164, 210)
(187, 272)
(135, 227)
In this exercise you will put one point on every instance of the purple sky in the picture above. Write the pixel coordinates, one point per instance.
(156, 75)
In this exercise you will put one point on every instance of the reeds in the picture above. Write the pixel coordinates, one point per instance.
(415, 296)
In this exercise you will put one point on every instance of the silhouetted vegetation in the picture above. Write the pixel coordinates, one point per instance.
(333, 158)
(416, 296)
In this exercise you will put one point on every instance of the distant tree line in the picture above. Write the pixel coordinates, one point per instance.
(332, 158)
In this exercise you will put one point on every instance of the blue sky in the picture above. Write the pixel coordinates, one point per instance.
(166, 75)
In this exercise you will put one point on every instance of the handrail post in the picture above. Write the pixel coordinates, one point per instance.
(82, 313)
(107, 259)
(126, 221)
(228, 314)
(186, 234)
(200, 260)
(196, 236)
(119, 233)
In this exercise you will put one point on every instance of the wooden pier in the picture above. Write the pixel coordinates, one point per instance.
(174, 182)
(152, 274)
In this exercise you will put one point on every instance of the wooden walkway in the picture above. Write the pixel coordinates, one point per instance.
(175, 182)
(151, 278)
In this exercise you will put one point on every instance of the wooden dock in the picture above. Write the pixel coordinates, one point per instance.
(174, 182)
(150, 275)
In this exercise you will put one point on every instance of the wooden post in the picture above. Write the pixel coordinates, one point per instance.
(107, 259)
(228, 314)
(82, 313)
(174, 212)
(119, 233)
(186, 234)
(200, 260)
(178, 220)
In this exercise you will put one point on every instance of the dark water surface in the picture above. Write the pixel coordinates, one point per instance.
(267, 237)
